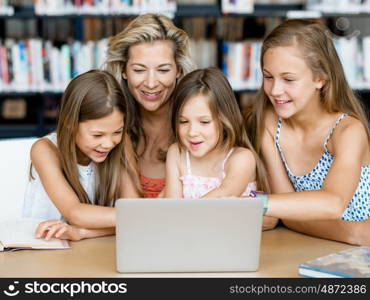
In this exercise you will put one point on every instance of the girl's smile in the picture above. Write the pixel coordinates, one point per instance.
(96, 138)
(195, 145)
(289, 82)
(101, 153)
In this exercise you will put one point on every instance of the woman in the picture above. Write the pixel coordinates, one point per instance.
(148, 57)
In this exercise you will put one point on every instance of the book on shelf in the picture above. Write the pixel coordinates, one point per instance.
(196, 2)
(241, 64)
(342, 6)
(113, 7)
(203, 52)
(17, 234)
(352, 262)
(14, 109)
(237, 6)
(5, 8)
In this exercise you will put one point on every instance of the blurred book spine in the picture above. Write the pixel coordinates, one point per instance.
(237, 6)
(41, 66)
(342, 6)
(5, 8)
(104, 7)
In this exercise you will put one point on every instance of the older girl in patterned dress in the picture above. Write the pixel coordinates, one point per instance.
(213, 156)
(313, 136)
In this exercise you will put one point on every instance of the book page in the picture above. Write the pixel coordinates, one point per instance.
(21, 233)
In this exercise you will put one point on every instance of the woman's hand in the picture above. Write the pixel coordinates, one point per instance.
(58, 229)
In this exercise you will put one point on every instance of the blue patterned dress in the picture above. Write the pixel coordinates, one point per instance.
(358, 208)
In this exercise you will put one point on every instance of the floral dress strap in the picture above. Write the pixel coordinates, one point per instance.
(277, 144)
(188, 164)
(341, 117)
(223, 163)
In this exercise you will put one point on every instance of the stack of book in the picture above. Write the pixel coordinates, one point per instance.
(104, 7)
(241, 64)
(37, 65)
(342, 6)
(237, 6)
(6, 9)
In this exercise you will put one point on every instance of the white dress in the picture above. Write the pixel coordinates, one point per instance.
(37, 203)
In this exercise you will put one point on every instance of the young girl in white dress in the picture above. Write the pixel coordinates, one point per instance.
(78, 171)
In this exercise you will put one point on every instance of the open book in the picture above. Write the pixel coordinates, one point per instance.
(353, 262)
(20, 234)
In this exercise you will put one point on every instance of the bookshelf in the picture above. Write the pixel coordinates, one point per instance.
(40, 104)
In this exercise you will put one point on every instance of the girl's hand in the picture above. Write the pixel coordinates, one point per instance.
(58, 229)
(269, 223)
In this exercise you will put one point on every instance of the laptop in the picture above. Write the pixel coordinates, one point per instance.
(188, 235)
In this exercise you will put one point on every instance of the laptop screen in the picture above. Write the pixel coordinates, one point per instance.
(188, 235)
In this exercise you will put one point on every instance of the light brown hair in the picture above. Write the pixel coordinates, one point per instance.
(212, 83)
(315, 43)
(89, 96)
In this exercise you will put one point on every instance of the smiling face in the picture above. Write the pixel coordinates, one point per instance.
(96, 138)
(198, 130)
(151, 73)
(289, 82)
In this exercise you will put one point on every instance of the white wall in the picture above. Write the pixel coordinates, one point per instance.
(14, 170)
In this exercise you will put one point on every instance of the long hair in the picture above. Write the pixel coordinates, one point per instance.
(89, 96)
(212, 83)
(146, 28)
(314, 41)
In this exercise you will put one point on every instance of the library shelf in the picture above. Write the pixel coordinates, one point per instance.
(201, 10)
(24, 130)
(15, 94)
(40, 128)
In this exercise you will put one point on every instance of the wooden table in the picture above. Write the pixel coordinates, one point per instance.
(282, 250)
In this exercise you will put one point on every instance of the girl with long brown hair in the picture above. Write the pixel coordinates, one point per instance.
(313, 135)
(79, 170)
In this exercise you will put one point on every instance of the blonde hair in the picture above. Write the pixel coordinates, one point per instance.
(89, 96)
(314, 41)
(212, 83)
(146, 28)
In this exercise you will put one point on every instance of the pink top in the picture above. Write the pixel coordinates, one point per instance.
(152, 186)
(194, 186)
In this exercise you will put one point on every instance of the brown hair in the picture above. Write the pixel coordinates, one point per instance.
(89, 96)
(314, 41)
(212, 83)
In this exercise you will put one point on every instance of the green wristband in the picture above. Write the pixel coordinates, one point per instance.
(265, 198)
